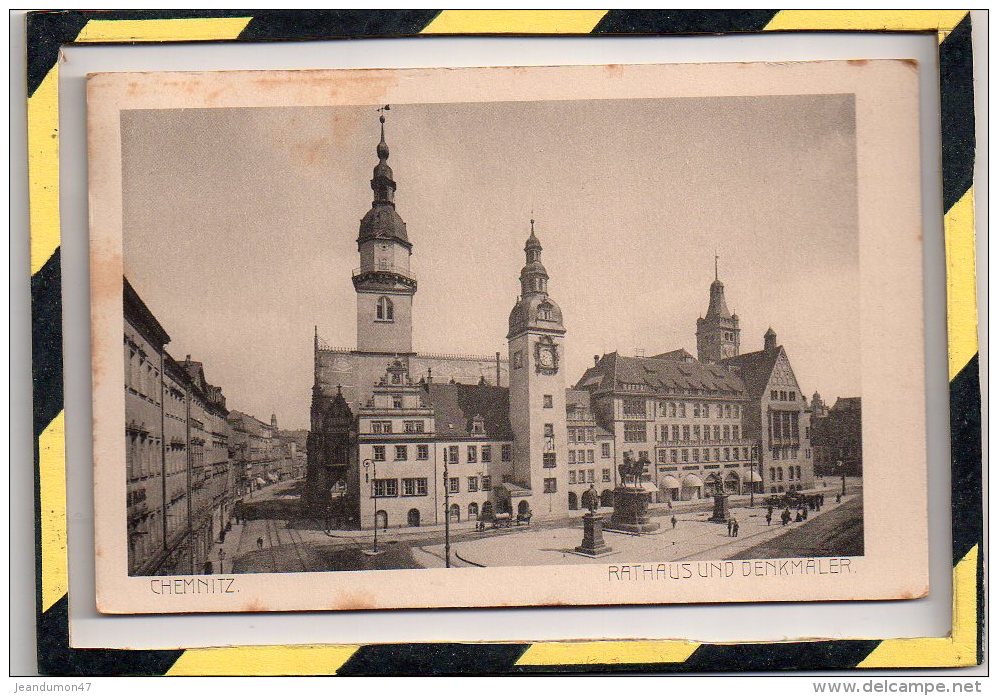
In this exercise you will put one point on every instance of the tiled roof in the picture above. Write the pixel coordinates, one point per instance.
(680, 354)
(848, 403)
(456, 405)
(656, 376)
(755, 369)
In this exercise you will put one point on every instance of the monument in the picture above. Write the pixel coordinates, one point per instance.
(592, 534)
(630, 503)
(721, 511)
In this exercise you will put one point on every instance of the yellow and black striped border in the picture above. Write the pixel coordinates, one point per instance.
(49, 30)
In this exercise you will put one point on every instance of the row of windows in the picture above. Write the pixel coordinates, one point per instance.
(141, 375)
(776, 473)
(789, 453)
(784, 425)
(587, 476)
(781, 395)
(718, 454)
(679, 409)
(685, 433)
(581, 456)
(582, 434)
(409, 426)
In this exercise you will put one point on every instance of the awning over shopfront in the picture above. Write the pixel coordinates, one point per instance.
(669, 482)
(692, 481)
(751, 477)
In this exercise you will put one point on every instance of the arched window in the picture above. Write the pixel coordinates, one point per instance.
(385, 310)
(455, 513)
(472, 511)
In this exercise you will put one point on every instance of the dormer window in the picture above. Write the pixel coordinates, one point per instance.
(385, 310)
(478, 426)
(396, 401)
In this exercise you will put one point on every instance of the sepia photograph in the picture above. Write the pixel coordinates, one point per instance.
(488, 337)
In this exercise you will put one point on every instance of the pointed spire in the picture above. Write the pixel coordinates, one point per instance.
(716, 257)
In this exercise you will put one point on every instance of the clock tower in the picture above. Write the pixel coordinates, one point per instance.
(537, 388)
(384, 283)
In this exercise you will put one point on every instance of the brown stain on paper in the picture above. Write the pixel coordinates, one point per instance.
(354, 601)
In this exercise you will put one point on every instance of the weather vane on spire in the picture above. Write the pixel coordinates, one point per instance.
(716, 257)
(531, 220)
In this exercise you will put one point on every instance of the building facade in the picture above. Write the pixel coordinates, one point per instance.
(728, 422)
(837, 437)
(259, 456)
(401, 438)
(176, 453)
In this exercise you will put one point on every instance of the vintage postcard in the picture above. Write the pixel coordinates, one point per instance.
(564, 335)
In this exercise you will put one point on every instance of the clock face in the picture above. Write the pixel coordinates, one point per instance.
(547, 357)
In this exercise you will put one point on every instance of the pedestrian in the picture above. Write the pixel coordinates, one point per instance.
(730, 525)
(734, 528)
(838, 498)
(799, 518)
(259, 543)
(769, 518)
(673, 521)
(805, 513)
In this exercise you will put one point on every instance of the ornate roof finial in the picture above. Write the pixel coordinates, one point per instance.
(382, 149)
(716, 257)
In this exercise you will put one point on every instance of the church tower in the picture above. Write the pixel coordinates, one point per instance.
(384, 283)
(537, 388)
(718, 335)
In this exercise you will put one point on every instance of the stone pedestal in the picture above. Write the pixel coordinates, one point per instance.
(592, 536)
(630, 511)
(721, 511)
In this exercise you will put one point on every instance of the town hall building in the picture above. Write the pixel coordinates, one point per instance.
(402, 438)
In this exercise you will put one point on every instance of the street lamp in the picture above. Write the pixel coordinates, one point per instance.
(368, 463)
(756, 454)
(842, 470)
(446, 513)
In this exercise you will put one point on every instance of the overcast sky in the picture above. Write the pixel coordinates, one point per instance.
(240, 228)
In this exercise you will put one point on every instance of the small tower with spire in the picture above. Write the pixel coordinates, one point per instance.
(384, 284)
(537, 411)
(718, 333)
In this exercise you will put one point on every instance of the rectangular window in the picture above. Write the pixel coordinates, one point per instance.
(590, 456)
(454, 484)
(727, 410)
(726, 432)
(793, 396)
(401, 453)
(548, 401)
(486, 453)
(472, 484)
(413, 486)
(727, 453)
(414, 426)
(422, 452)
(571, 456)
(548, 430)
(696, 455)
(717, 432)
(606, 475)
(550, 460)
(682, 410)
(673, 456)
(774, 395)
(486, 483)
(634, 407)
(686, 433)
(720, 411)
(696, 410)
(396, 401)
(453, 449)
(591, 476)
(381, 426)
(696, 432)
(672, 410)
(571, 476)
(737, 410)
(735, 432)
(386, 488)
(472, 454)
(675, 433)
(379, 453)
(507, 453)
(635, 432)
(606, 450)
(686, 455)
(550, 485)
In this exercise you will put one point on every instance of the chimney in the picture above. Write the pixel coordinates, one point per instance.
(595, 360)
